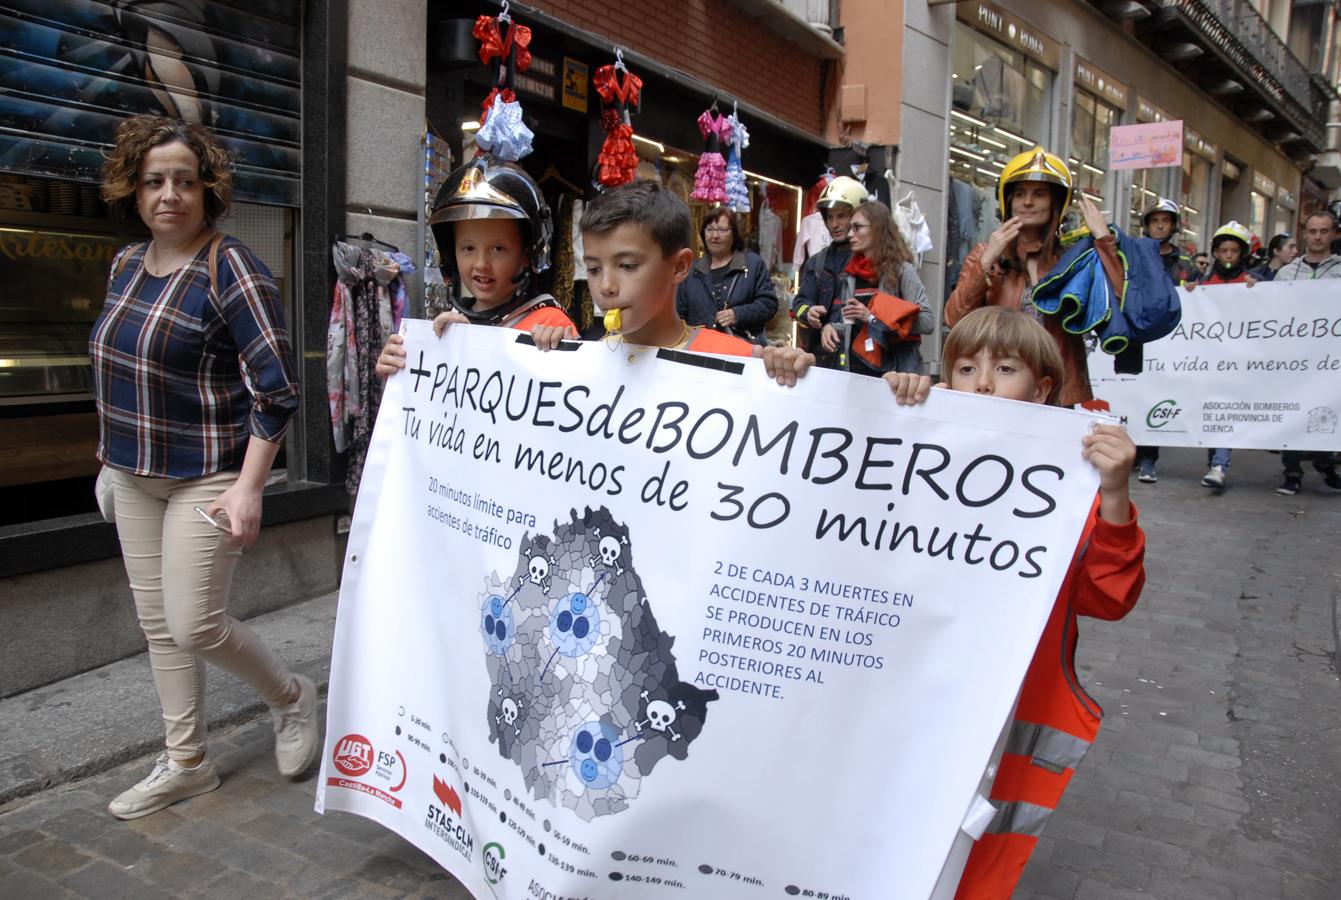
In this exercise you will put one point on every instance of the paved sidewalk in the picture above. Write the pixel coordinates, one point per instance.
(1215, 774)
(255, 837)
(87, 724)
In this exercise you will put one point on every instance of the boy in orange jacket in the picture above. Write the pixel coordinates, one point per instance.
(1004, 353)
(636, 243)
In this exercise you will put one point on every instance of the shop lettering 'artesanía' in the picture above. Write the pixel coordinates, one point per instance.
(55, 246)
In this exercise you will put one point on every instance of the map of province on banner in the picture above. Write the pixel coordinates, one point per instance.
(1252, 368)
(615, 625)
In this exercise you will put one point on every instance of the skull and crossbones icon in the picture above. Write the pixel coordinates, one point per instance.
(609, 550)
(538, 572)
(511, 709)
(661, 715)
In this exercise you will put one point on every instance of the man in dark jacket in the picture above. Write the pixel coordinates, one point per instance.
(817, 300)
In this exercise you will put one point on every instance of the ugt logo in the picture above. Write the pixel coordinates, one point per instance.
(353, 755)
(494, 870)
(1162, 414)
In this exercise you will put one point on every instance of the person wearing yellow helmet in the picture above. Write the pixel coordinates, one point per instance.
(816, 300)
(1230, 247)
(1033, 194)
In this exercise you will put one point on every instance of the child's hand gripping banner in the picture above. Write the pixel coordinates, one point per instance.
(634, 623)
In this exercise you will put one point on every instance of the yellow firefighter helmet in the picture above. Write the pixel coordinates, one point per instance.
(1033, 165)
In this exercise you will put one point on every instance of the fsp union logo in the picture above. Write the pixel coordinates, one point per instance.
(1163, 415)
(494, 854)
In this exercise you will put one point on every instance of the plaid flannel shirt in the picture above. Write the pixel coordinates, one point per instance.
(183, 377)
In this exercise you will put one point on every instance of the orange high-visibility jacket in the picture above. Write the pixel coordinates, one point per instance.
(542, 315)
(897, 314)
(1055, 720)
(709, 340)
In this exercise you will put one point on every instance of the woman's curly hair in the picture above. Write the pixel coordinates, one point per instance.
(891, 250)
(136, 136)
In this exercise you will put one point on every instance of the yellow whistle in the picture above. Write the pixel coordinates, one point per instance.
(613, 320)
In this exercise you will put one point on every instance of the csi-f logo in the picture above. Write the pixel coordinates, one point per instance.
(353, 755)
(1162, 414)
(494, 870)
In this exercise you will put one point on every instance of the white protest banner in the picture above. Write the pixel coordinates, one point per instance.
(1248, 368)
(618, 625)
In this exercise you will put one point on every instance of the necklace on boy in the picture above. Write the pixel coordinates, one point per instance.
(616, 340)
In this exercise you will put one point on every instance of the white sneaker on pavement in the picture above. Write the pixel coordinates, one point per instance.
(296, 744)
(168, 783)
(1215, 478)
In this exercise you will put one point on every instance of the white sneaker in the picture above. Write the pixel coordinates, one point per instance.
(168, 783)
(1215, 478)
(296, 744)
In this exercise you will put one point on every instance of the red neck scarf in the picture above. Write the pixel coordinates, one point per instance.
(862, 267)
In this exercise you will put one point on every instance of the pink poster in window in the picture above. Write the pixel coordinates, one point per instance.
(1148, 146)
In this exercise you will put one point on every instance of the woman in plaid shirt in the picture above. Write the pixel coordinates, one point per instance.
(195, 389)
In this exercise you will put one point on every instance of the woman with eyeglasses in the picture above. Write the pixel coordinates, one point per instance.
(878, 326)
(728, 287)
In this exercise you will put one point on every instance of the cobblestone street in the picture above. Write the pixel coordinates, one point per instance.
(1215, 773)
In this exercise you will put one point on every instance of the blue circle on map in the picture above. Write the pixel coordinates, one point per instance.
(496, 624)
(575, 625)
(595, 756)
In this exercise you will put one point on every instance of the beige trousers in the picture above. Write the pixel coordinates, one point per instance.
(180, 570)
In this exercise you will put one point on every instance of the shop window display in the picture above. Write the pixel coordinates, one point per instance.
(1002, 104)
(1092, 121)
(1147, 186)
(1193, 198)
(1257, 221)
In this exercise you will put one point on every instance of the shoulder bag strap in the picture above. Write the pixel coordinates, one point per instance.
(215, 243)
(125, 257)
